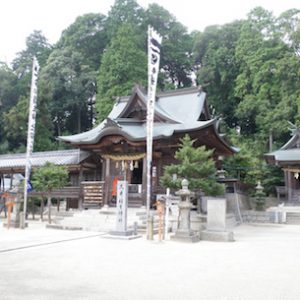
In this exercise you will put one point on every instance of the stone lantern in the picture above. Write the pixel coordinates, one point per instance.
(184, 232)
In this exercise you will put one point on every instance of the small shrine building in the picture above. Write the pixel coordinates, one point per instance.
(288, 159)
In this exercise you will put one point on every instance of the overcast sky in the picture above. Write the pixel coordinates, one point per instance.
(18, 18)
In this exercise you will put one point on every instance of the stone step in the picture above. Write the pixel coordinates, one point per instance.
(293, 218)
(64, 214)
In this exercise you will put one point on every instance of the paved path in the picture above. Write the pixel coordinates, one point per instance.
(263, 264)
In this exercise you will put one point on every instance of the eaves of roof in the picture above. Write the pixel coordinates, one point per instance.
(62, 157)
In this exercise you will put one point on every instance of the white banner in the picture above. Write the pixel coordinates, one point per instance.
(154, 45)
(31, 128)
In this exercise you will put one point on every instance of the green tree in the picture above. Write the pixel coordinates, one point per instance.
(15, 125)
(15, 97)
(268, 81)
(8, 98)
(123, 65)
(36, 45)
(69, 86)
(125, 12)
(196, 165)
(87, 36)
(47, 178)
(214, 54)
(247, 164)
(8, 92)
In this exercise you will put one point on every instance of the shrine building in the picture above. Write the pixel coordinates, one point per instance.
(288, 159)
(120, 140)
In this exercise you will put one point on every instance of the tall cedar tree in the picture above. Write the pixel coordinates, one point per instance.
(124, 64)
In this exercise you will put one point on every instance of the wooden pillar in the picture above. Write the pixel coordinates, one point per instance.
(2, 182)
(144, 181)
(107, 181)
(102, 177)
(11, 180)
(289, 186)
(80, 200)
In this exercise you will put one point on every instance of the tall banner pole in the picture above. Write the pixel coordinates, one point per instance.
(30, 133)
(154, 45)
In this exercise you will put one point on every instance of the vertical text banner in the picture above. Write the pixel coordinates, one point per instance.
(154, 45)
(31, 129)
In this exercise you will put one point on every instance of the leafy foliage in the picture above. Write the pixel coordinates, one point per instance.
(249, 69)
(124, 12)
(196, 165)
(69, 86)
(123, 65)
(49, 177)
(87, 36)
(214, 53)
(268, 81)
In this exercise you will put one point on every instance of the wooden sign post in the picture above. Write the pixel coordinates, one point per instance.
(9, 204)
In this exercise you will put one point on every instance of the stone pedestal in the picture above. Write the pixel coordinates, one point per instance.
(14, 200)
(184, 232)
(216, 222)
(15, 217)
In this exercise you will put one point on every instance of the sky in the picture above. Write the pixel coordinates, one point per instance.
(19, 18)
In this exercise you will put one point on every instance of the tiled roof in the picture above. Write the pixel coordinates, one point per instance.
(181, 109)
(61, 157)
(285, 155)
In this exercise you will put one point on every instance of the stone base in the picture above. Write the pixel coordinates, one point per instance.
(121, 235)
(187, 237)
(106, 211)
(14, 224)
(63, 227)
(217, 236)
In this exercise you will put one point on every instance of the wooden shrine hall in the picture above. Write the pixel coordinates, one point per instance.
(120, 140)
(84, 169)
(288, 159)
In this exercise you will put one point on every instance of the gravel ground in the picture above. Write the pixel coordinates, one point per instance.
(37, 263)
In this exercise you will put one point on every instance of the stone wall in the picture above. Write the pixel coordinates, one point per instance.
(234, 199)
(251, 216)
(270, 201)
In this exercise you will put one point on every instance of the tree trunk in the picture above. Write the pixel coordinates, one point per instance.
(49, 208)
(32, 205)
(270, 140)
(79, 119)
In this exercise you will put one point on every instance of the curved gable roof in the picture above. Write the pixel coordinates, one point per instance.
(289, 152)
(176, 111)
(139, 98)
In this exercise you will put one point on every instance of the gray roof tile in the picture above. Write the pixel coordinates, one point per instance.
(61, 157)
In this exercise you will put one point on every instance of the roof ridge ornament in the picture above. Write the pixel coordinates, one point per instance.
(295, 129)
(111, 123)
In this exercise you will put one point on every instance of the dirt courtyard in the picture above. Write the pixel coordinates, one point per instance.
(262, 264)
